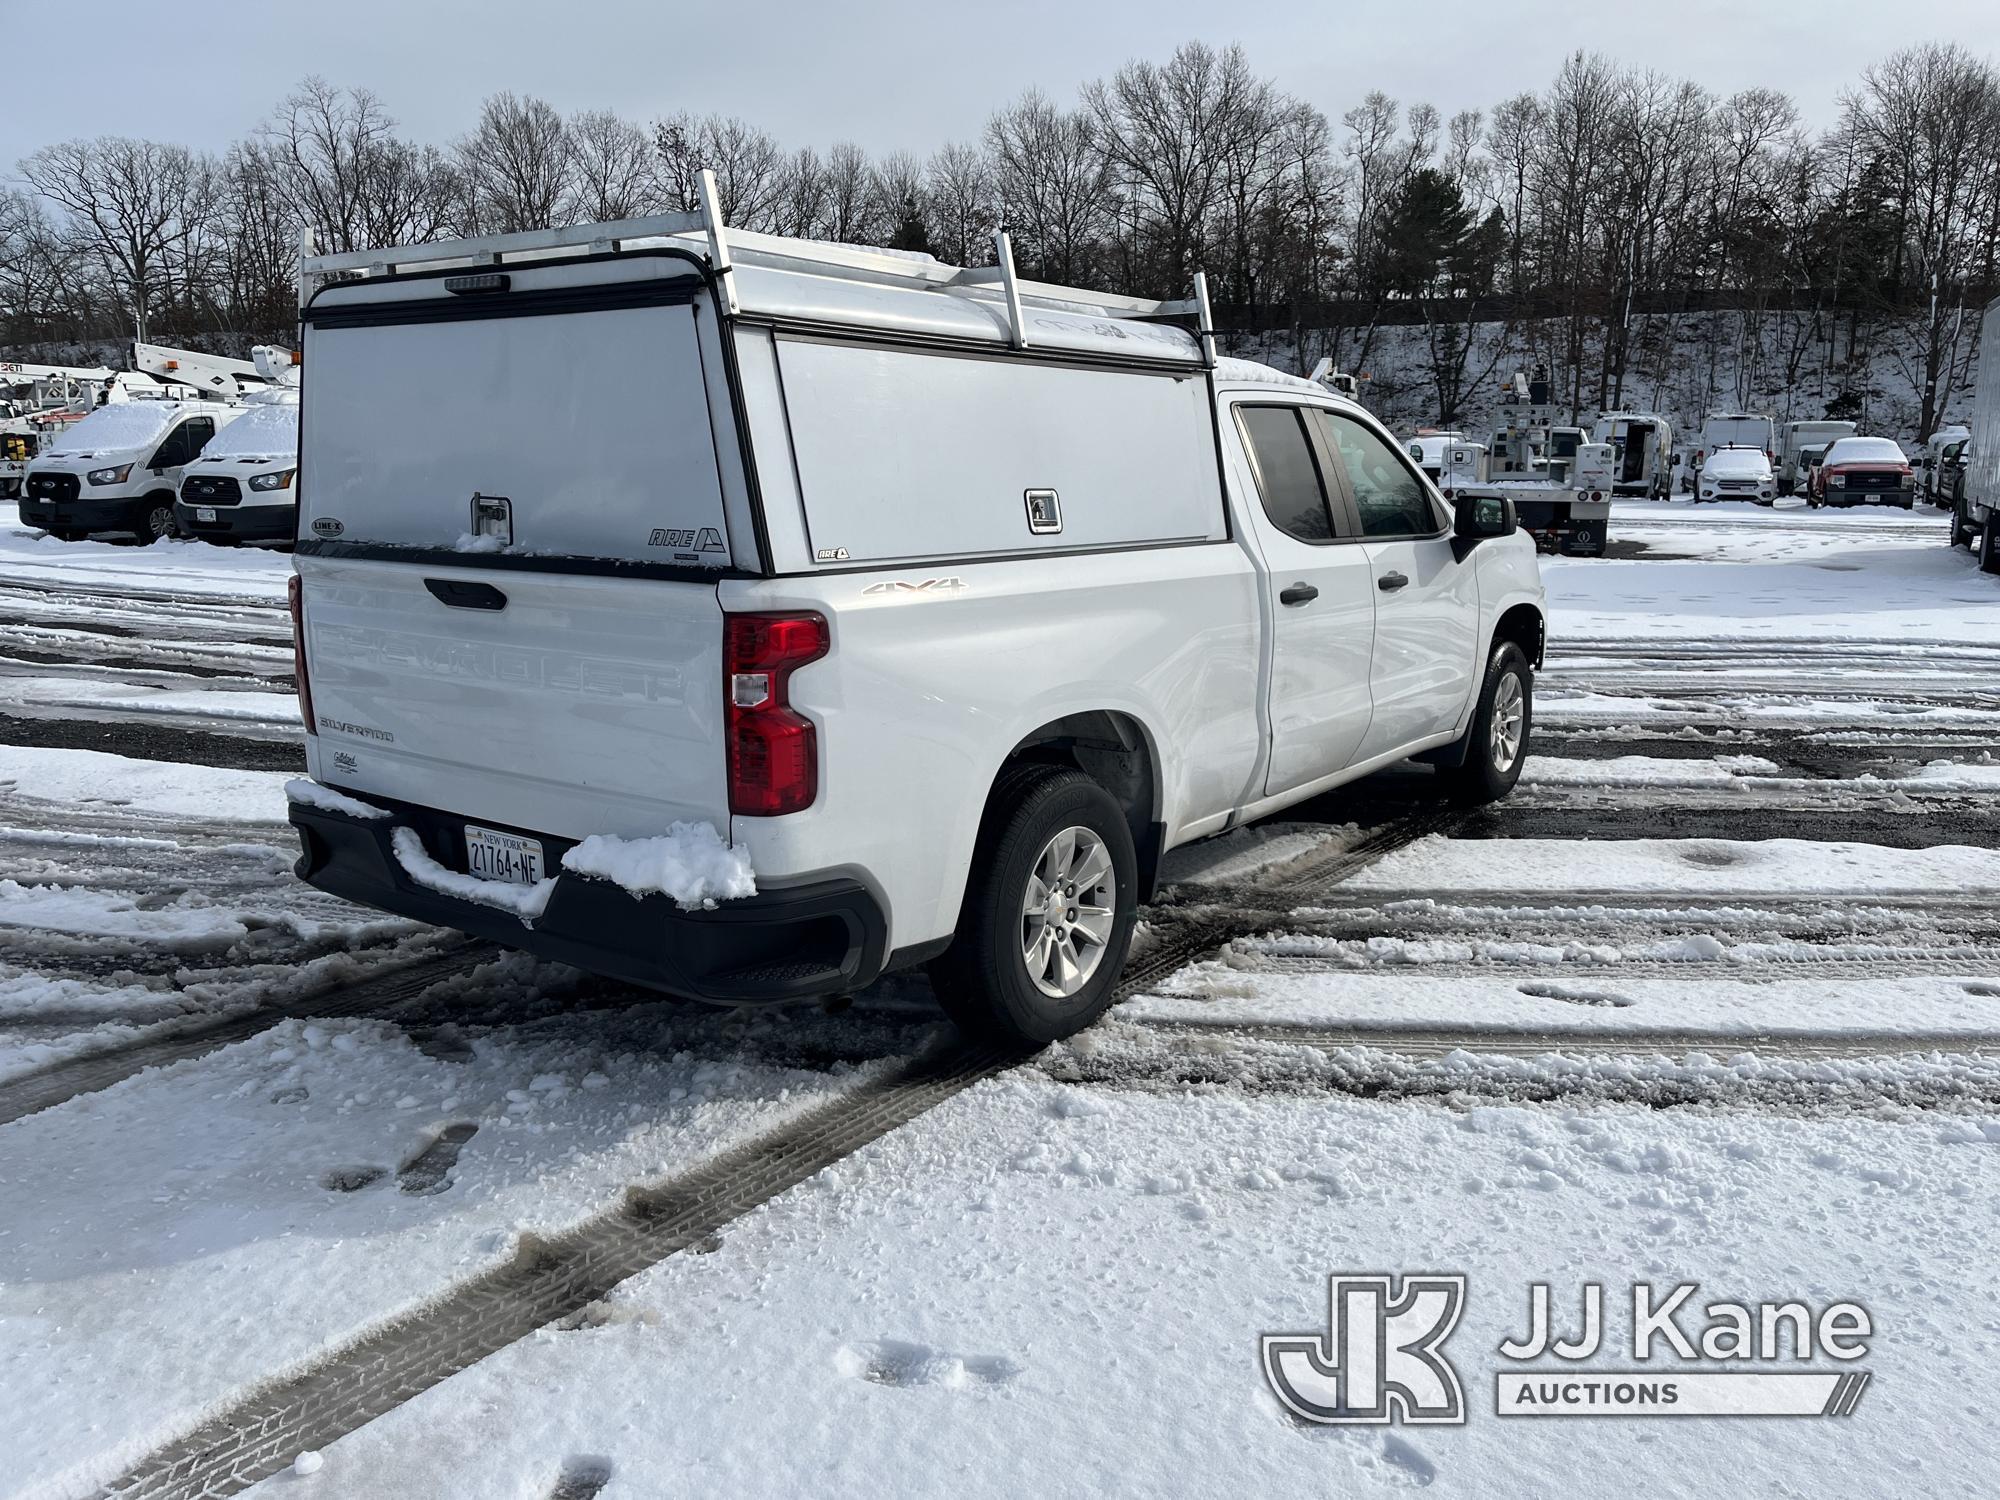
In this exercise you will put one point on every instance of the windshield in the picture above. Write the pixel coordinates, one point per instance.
(1864, 451)
(261, 432)
(128, 424)
(1739, 461)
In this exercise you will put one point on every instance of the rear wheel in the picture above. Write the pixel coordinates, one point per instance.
(1989, 545)
(1497, 743)
(1961, 526)
(1049, 910)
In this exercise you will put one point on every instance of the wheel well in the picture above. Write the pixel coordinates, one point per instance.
(1112, 750)
(1523, 626)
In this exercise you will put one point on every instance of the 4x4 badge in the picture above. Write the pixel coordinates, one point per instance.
(928, 586)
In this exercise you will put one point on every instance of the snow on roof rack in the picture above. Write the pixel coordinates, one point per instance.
(727, 249)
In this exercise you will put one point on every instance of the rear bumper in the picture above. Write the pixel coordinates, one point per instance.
(250, 523)
(789, 944)
(1558, 527)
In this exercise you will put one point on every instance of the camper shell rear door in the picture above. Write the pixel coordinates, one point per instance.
(518, 492)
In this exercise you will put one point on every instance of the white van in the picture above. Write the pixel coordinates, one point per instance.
(118, 468)
(878, 613)
(1798, 444)
(1721, 429)
(1642, 448)
(1427, 450)
(240, 489)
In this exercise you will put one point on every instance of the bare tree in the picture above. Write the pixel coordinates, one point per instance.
(1053, 184)
(611, 169)
(1930, 116)
(517, 164)
(961, 193)
(849, 205)
(1169, 132)
(799, 205)
(129, 202)
(748, 165)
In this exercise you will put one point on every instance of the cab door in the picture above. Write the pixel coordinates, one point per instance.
(1426, 594)
(1318, 597)
(179, 449)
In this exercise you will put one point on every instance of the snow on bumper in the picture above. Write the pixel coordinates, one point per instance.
(792, 943)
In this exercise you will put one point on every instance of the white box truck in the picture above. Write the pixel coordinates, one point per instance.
(1975, 520)
(878, 613)
(1799, 445)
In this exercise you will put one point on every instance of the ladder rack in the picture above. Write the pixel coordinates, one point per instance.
(726, 249)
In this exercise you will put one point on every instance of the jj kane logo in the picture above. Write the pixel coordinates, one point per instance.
(1381, 1358)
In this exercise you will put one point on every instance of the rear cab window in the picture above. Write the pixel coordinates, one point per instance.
(1287, 467)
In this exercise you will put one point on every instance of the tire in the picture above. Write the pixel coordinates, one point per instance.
(1909, 505)
(1989, 545)
(983, 980)
(1961, 528)
(1493, 762)
(156, 520)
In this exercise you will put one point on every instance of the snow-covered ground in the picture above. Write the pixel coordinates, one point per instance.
(1041, 1289)
(1714, 997)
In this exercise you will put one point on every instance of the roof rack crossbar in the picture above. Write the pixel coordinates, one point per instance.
(727, 249)
(493, 249)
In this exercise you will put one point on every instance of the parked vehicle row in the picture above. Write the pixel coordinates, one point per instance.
(153, 460)
(119, 469)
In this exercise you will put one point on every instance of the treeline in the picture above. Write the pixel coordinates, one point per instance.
(1585, 212)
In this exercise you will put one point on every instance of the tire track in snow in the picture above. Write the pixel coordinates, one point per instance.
(173, 1042)
(549, 1280)
(1867, 1076)
(554, 1279)
(1432, 1041)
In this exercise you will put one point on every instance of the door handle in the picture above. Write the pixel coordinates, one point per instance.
(1388, 583)
(1299, 593)
(465, 595)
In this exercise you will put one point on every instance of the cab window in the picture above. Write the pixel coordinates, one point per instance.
(174, 451)
(1288, 477)
(1390, 496)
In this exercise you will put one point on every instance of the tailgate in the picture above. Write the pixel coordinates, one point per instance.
(581, 705)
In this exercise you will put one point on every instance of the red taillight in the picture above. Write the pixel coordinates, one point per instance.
(773, 750)
(295, 601)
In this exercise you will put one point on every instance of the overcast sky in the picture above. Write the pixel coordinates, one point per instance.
(890, 74)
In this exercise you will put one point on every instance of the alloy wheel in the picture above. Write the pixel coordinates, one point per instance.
(1068, 911)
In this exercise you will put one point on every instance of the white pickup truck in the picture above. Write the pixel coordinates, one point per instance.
(941, 601)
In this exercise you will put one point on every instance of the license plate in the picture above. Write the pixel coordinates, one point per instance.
(502, 856)
(204, 512)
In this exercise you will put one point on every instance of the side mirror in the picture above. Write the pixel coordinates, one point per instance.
(1479, 518)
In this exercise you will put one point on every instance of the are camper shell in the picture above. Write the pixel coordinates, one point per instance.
(732, 361)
